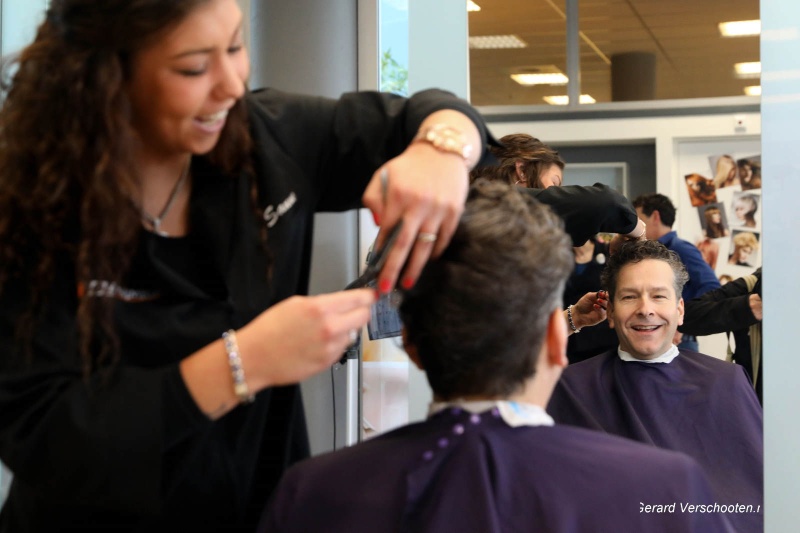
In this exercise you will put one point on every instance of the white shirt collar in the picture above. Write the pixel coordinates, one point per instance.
(665, 357)
(515, 414)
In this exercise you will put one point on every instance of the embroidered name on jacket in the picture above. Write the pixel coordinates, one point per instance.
(272, 213)
(109, 289)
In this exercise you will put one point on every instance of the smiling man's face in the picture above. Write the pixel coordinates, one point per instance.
(645, 311)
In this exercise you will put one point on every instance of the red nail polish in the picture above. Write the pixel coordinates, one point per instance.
(376, 219)
(408, 282)
(385, 286)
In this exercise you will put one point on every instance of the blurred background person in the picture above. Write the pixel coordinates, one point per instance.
(585, 278)
(523, 160)
(735, 309)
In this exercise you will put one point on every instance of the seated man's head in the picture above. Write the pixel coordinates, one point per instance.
(481, 314)
(644, 281)
(657, 211)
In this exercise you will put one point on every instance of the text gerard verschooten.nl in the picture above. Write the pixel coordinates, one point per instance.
(698, 508)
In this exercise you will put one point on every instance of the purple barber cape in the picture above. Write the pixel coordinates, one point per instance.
(696, 404)
(466, 472)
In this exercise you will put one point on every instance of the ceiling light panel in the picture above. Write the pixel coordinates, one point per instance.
(472, 6)
(740, 28)
(563, 99)
(496, 42)
(753, 90)
(748, 70)
(549, 78)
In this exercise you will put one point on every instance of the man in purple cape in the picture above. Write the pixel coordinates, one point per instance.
(485, 322)
(650, 391)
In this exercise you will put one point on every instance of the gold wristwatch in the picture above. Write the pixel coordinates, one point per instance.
(445, 138)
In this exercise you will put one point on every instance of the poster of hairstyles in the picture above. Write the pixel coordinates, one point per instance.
(719, 203)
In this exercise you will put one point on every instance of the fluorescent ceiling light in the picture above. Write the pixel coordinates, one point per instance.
(748, 70)
(753, 90)
(740, 28)
(563, 99)
(496, 41)
(472, 6)
(542, 78)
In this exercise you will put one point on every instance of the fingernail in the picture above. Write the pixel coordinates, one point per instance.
(385, 286)
(408, 282)
(376, 219)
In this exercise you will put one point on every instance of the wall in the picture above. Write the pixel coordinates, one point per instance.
(780, 56)
(641, 160)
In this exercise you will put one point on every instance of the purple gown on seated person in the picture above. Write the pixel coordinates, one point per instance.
(696, 404)
(466, 472)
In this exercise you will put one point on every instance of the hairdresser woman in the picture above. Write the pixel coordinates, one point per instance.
(149, 205)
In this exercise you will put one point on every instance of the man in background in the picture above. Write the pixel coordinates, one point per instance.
(658, 212)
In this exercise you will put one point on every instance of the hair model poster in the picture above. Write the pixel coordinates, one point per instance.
(719, 202)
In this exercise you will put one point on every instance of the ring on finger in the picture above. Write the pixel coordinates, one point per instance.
(424, 236)
(384, 183)
(353, 336)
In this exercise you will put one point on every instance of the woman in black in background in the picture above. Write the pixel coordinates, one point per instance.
(589, 262)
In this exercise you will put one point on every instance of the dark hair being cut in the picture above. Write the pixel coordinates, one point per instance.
(478, 313)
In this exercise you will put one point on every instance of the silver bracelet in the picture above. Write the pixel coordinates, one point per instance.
(237, 371)
(571, 323)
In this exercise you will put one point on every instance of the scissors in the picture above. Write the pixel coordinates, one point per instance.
(375, 261)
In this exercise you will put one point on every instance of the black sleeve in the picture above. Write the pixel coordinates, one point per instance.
(716, 311)
(93, 442)
(338, 144)
(588, 210)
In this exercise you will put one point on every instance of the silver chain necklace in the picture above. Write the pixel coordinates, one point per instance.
(155, 222)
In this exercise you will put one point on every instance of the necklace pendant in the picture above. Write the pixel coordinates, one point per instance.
(156, 224)
(157, 229)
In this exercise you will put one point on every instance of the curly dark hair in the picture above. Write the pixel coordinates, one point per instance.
(66, 155)
(635, 252)
(508, 260)
(536, 157)
(657, 202)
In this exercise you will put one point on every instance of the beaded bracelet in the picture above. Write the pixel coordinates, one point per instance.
(571, 323)
(237, 371)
